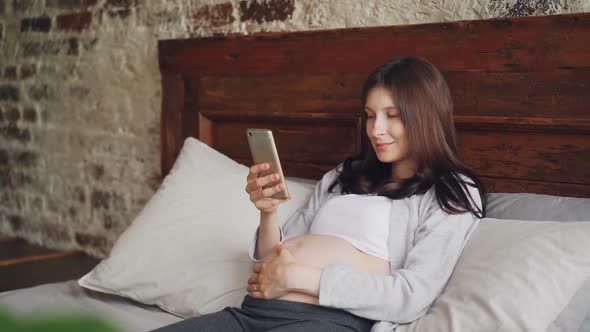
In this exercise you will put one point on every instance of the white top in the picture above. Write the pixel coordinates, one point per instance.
(362, 220)
(424, 245)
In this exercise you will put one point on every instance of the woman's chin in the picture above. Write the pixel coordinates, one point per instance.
(385, 159)
(384, 156)
(388, 157)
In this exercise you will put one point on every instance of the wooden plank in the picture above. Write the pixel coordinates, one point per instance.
(171, 135)
(501, 185)
(38, 258)
(321, 117)
(568, 126)
(28, 274)
(15, 248)
(339, 92)
(527, 156)
(557, 93)
(296, 142)
(516, 44)
(6, 239)
(560, 93)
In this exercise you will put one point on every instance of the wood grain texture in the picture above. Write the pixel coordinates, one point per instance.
(25, 265)
(500, 45)
(519, 85)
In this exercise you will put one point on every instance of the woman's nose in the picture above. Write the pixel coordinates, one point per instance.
(378, 127)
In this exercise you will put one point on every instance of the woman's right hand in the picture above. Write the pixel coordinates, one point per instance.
(262, 197)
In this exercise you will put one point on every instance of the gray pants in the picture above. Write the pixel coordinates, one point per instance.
(273, 315)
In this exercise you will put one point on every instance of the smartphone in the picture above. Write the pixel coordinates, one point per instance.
(263, 149)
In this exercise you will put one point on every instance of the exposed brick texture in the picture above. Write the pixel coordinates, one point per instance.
(16, 222)
(120, 3)
(97, 242)
(74, 22)
(40, 92)
(11, 132)
(28, 70)
(10, 73)
(266, 11)
(120, 13)
(25, 158)
(110, 221)
(51, 47)
(24, 5)
(40, 24)
(12, 114)
(107, 200)
(29, 115)
(55, 233)
(4, 179)
(9, 93)
(120, 9)
(3, 157)
(213, 15)
(70, 4)
(97, 171)
(12, 200)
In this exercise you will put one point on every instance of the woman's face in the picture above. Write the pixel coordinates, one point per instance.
(385, 128)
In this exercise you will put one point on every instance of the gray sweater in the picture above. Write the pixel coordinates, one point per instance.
(424, 243)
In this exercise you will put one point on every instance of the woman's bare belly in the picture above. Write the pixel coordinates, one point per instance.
(322, 250)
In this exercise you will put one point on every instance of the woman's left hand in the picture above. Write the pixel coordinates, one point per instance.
(270, 278)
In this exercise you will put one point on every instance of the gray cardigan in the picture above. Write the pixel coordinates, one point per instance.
(424, 243)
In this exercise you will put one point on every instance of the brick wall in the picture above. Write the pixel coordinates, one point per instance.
(80, 96)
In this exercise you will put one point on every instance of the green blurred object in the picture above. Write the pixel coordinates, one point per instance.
(54, 323)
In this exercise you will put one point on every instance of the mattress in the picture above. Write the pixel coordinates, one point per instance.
(69, 298)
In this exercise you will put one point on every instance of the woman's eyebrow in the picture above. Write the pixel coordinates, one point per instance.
(386, 108)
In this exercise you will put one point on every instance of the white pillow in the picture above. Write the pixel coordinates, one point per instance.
(512, 276)
(525, 206)
(187, 250)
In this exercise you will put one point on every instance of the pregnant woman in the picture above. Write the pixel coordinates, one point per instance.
(382, 232)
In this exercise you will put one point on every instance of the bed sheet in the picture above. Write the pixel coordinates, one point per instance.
(68, 297)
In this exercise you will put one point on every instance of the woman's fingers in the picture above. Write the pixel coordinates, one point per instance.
(254, 290)
(254, 170)
(257, 183)
(265, 180)
(253, 279)
(260, 196)
(273, 190)
(266, 193)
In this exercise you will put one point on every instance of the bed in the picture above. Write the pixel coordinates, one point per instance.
(520, 88)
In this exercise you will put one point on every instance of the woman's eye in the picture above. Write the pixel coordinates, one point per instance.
(392, 115)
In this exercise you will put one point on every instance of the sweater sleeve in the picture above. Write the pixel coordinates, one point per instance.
(299, 222)
(407, 293)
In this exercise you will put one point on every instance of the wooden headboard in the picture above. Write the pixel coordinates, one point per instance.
(521, 89)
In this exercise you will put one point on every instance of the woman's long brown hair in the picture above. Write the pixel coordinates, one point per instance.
(423, 98)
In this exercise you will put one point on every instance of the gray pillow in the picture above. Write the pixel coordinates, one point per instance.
(523, 206)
